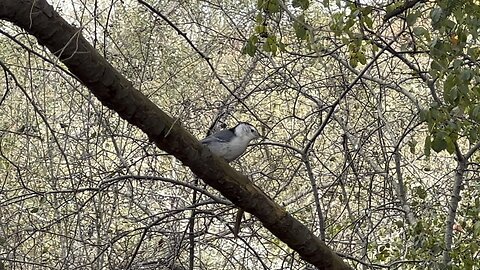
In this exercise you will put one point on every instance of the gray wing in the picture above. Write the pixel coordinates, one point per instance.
(222, 136)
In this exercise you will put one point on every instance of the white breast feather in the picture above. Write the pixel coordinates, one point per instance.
(235, 148)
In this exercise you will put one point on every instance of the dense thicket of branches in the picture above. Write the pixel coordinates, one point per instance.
(351, 98)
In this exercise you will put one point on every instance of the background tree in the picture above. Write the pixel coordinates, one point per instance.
(340, 90)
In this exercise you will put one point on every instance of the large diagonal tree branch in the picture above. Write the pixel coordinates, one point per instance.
(38, 18)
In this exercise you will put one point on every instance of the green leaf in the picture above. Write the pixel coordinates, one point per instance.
(459, 15)
(271, 42)
(473, 52)
(450, 82)
(436, 15)
(368, 21)
(476, 229)
(367, 10)
(457, 63)
(437, 114)
(348, 24)
(412, 18)
(421, 192)
(474, 248)
(475, 113)
(301, 3)
(274, 48)
(424, 115)
(450, 91)
(473, 135)
(453, 96)
(266, 47)
(418, 227)
(450, 144)
(419, 31)
(465, 75)
(260, 29)
(449, 24)
(251, 46)
(353, 61)
(270, 6)
(435, 65)
(299, 26)
(259, 18)
(391, 7)
(399, 223)
(463, 88)
(439, 144)
(361, 58)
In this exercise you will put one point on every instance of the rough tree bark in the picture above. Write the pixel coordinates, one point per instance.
(38, 18)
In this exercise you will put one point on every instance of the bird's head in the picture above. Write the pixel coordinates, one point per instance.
(245, 131)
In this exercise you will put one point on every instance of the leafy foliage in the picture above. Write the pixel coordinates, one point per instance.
(443, 37)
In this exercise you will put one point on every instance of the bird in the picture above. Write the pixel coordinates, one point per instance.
(231, 143)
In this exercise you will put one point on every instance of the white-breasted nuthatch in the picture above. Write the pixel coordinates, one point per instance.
(229, 144)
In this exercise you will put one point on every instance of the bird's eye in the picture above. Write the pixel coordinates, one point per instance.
(252, 130)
